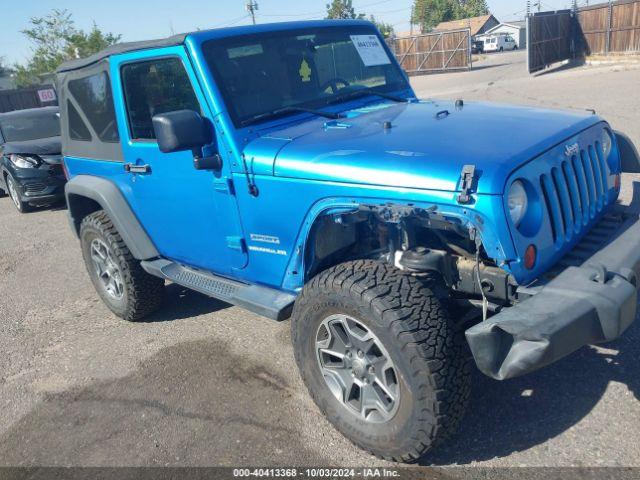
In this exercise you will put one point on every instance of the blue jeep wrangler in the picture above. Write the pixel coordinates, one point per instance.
(290, 169)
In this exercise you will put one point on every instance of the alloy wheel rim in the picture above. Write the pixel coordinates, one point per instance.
(357, 368)
(106, 269)
(13, 193)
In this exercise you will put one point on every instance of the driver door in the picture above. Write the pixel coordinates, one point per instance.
(190, 214)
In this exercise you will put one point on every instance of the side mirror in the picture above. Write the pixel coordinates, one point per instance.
(183, 130)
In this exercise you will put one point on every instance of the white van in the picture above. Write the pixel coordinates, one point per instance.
(500, 43)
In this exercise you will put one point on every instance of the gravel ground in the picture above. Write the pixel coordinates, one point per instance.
(203, 383)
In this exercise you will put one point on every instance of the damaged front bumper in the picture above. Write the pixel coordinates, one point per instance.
(587, 304)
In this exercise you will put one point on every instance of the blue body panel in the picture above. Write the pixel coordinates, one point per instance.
(286, 210)
(423, 150)
(305, 166)
(539, 231)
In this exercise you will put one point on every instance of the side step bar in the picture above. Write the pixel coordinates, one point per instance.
(265, 301)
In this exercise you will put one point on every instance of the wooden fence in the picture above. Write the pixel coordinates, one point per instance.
(609, 28)
(549, 38)
(433, 52)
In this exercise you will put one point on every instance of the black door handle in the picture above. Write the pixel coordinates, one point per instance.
(133, 168)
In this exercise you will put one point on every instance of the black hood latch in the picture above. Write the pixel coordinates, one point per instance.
(468, 177)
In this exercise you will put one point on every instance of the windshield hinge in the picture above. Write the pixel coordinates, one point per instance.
(236, 243)
(253, 189)
(468, 177)
(224, 185)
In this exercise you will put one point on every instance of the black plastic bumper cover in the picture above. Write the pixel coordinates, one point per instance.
(590, 304)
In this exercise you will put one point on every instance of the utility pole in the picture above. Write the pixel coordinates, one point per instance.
(252, 7)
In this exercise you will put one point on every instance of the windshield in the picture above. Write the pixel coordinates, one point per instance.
(262, 73)
(23, 127)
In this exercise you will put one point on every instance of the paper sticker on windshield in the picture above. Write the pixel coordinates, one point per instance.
(370, 50)
(245, 51)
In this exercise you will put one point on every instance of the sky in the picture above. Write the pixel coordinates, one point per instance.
(146, 19)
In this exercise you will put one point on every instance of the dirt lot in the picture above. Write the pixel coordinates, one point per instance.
(203, 383)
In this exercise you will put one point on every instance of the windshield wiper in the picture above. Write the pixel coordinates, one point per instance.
(369, 91)
(286, 110)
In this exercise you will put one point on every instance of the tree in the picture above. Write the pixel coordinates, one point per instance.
(429, 13)
(473, 8)
(4, 70)
(342, 9)
(385, 28)
(55, 39)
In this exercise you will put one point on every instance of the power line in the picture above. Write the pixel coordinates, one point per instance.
(391, 11)
(367, 5)
(323, 12)
(312, 14)
(232, 22)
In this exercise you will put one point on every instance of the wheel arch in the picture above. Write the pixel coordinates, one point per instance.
(629, 156)
(86, 194)
(328, 212)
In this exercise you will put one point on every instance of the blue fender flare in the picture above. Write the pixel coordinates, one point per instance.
(296, 274)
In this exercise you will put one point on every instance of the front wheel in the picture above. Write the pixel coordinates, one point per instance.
(381, 358)
(22, 207)
(128, 291)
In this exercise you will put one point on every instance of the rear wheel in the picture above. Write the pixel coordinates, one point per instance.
(23, 207)
(381, 358)
(129, 291)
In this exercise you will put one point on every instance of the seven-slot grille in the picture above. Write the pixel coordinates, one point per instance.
(575, 192)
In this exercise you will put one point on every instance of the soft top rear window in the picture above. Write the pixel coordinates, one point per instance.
(93, 94)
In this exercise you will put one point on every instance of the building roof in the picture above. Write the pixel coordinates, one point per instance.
(517, 24)
(475, 23)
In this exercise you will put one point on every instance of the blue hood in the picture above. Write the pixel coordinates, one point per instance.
(422, 149)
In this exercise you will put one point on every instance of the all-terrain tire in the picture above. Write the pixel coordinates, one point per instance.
(409, 316)
(142, 293)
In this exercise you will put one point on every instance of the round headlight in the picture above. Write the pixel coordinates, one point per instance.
(517, 202)
(607, 143)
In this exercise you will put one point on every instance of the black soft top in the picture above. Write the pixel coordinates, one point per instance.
(121, 48)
